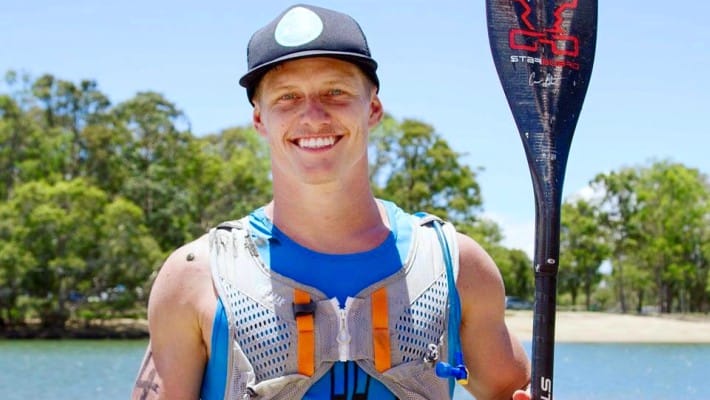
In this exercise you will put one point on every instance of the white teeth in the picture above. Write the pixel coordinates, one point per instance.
(316, 142)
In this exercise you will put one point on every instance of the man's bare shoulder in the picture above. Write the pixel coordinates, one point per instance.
(183, 278)
(192, 257)
(479, 276)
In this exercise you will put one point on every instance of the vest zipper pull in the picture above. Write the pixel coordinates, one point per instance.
(344, 337)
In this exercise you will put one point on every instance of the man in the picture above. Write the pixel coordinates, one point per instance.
(326, 292)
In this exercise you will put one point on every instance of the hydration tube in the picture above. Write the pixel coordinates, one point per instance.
(455, 369)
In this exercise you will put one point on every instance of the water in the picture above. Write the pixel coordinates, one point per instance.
(69, 369)
(629, 371)
(88, 369)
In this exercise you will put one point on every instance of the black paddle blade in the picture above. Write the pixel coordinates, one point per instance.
(543, 52)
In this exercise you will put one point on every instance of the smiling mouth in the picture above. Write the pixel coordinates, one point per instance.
(315, 143)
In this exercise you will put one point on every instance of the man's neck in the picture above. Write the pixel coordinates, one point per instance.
(330, 219)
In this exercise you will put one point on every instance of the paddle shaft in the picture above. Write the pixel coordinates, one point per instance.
(547, 161)
(547, 248)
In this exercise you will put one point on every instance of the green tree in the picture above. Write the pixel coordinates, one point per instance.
(674, 215)
(68, 238)
(15, 260)
(54, 224)
(13, 135)
(657, 217)
(619, 206)
(233, 175)
(583, 248)
(159, 148)
(127, 260)
(68, 109)
(415, 167)
(25, 154)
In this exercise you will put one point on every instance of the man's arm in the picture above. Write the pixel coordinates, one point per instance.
(497, 363)
(181, 305)
(148, 382)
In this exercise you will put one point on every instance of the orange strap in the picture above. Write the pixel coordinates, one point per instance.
(306, 335)
(380, 330)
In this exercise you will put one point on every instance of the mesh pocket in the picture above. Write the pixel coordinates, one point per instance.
(423, 322)
(262, 335)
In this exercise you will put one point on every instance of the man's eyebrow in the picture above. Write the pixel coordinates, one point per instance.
(279, 84)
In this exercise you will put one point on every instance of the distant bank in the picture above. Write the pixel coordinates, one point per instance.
(109, 329)
(597, 327)
(579, 327)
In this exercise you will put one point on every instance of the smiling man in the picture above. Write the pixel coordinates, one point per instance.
(326, 292)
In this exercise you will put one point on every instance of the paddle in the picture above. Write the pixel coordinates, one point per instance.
(543, 51)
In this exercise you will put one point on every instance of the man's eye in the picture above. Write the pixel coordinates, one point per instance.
(288, 96)
(335, 92)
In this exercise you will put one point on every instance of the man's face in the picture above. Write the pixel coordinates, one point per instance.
(316, 114)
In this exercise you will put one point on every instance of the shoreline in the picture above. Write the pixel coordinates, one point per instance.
(120, 328)
(570, 327)
(601, 327)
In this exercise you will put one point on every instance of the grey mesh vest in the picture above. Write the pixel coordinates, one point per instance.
(259, 304)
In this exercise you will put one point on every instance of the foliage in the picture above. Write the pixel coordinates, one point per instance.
(94, 195)
(658, 217)
(414, 166)
(583, 247)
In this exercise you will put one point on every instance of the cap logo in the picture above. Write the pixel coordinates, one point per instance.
(297, 27)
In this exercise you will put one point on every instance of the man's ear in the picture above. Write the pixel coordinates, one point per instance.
(376, 111)
(257, 121)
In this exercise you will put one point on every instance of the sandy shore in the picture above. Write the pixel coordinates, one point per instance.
(584, 327)
(609, 328)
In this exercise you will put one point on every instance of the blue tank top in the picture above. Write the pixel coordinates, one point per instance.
(324, 272)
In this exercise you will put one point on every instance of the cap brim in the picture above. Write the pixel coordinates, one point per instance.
(251, 79)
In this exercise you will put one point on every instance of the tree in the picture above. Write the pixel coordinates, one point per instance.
(70, 238)
(583, 248)
(233, 175)
(155, 156)
(68, 109)
(675, 207)
(415, 167)
(618, 208)
(23, 141)
(128, 257)
(13, 135)
(15, 260)
(658, 219)
(54, 225)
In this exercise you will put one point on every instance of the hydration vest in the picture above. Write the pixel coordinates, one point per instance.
(284, 335)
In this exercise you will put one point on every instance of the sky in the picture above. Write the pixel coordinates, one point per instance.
(646, 101)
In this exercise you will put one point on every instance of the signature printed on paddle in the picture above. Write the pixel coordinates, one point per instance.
(546, 81)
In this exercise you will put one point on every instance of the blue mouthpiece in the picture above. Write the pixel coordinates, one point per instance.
(458, 372)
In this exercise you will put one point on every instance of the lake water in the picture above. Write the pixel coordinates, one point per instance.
(84, 370)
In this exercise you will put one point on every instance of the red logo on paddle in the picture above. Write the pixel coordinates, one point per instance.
(534, 39)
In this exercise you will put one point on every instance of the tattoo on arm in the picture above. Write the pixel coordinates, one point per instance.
(147, 385)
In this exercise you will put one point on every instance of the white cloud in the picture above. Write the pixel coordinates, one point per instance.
(518, 234)
(587, 193)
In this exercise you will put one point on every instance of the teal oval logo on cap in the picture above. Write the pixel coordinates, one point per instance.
(297, 27)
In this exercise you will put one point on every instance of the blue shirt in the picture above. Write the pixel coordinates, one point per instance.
(324, 272)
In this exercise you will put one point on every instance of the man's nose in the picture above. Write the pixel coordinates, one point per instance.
(314, 111)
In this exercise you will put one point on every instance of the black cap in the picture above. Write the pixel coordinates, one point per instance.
(306, 31)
